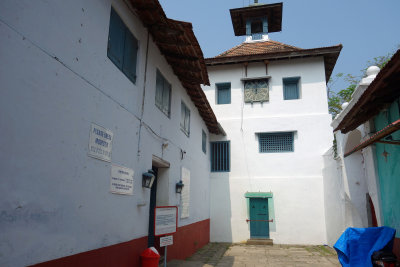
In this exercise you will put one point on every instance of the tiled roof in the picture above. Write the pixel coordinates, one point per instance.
(179, 46)
(382, 91)
(257, 48)
(272, 50)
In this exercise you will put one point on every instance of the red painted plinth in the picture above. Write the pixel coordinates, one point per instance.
(187, 240)
(396, 248)
(122, 254)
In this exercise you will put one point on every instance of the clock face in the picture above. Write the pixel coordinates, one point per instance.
(256, 91)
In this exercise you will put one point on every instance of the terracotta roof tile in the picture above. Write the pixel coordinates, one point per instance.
(258, 48)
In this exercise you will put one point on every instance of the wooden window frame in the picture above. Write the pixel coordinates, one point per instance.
(291, 80)
(126, 55)
(185, 119)
(165, 88)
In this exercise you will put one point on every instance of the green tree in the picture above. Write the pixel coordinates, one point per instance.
(336, 99)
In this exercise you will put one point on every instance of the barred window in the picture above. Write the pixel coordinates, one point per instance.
(276, 142)
(220, 156)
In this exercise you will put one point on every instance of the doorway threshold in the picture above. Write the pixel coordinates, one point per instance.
(265, 242)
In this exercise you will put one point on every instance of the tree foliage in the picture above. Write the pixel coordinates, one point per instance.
(336, 99)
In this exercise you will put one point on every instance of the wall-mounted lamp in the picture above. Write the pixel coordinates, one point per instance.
(148, 179)
(179, 186)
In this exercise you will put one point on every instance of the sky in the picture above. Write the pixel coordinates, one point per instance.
(365, 28)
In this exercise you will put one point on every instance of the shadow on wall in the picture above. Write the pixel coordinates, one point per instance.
(333, 192)
(356, 183)
(220, 208)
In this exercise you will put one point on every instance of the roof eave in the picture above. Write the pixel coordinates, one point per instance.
(382, 91)
(330, 55)
(178, 44)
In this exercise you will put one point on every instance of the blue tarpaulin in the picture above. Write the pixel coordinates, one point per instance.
(356, 245)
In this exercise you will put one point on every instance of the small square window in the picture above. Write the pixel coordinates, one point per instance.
(223, 93)
(291, 88)
(122, 46)
(185, 119)
(204, 141)
(276, 142)
(220, 156)
(163, 94)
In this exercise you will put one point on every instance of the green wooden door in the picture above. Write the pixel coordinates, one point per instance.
(259, 225)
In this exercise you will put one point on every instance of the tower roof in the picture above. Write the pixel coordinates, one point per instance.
(273, 12)
(257, 48)
(273, 50)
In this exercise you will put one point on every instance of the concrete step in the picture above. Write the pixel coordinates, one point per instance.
(264, 242)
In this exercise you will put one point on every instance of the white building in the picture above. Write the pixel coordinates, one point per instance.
(271, 100)
(88, 87)
(352, 191)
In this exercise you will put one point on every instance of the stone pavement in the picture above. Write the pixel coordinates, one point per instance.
(231, 255)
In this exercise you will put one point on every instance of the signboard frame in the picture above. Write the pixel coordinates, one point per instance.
(126, 171)
(176, 220)
(166, 240)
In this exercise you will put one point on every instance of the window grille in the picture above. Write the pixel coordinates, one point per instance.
(163, 94)
(275, 142)
(220, 156)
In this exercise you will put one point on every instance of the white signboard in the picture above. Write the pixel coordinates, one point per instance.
(121, 180)
(100, 143)
(165, 220)
(166, 241)
(185, 195)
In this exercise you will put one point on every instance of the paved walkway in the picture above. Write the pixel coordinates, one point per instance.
(232, 255)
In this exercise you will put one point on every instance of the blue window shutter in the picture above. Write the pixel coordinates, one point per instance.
(130, 55)
(291, 88)
(291, 91)
(248, 27)
(265, 25)
(223, 93)
(116, 37)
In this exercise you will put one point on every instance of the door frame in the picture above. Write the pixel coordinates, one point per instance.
(271, 211)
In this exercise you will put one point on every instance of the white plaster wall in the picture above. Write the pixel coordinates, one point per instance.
(294, 178)
(57, 80)
(359, 177)
(334, 198)
(298, 204)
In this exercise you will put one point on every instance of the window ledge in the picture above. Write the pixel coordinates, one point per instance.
(256, 78)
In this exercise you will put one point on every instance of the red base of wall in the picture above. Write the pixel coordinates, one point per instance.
(187, 240)
(396, 248)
